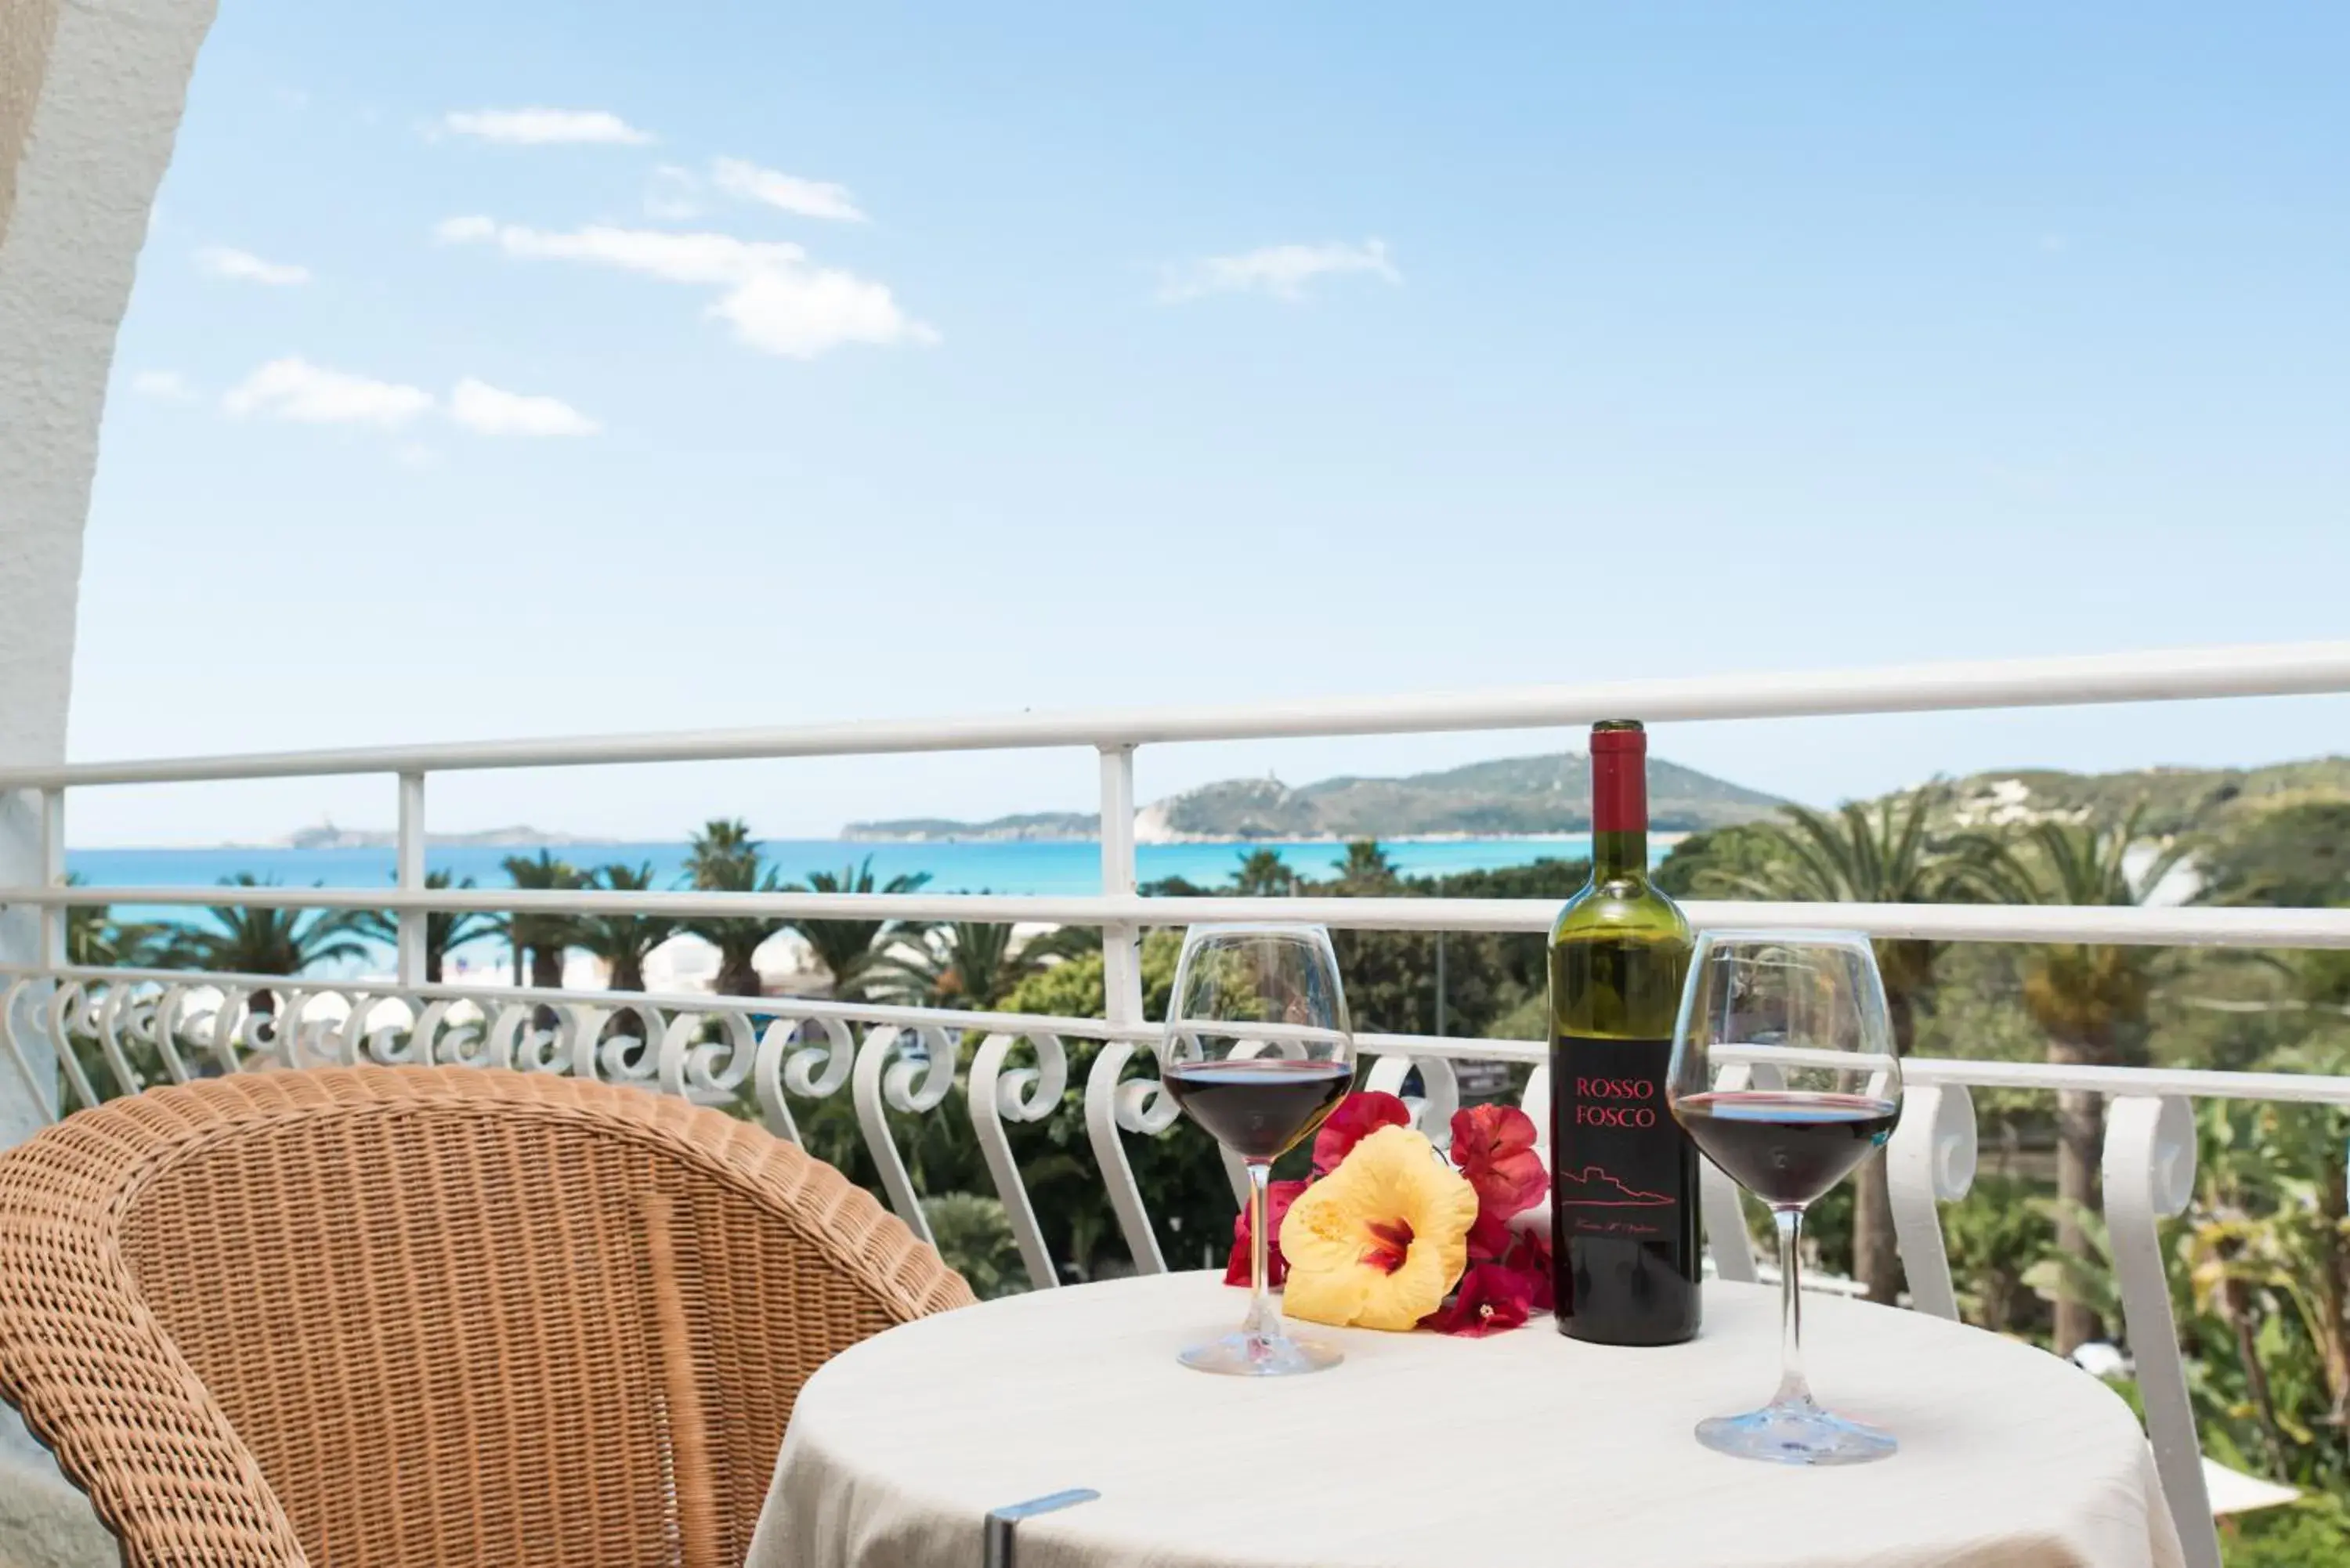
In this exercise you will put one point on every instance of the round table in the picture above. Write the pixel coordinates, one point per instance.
(1519, 1450)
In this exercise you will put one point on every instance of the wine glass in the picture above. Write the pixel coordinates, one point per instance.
(1258, 1052)
(1783, 1074)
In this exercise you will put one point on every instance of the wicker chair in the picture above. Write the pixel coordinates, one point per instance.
(431, 1316)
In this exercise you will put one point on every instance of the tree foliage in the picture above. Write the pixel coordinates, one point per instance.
(538, 938)
(444, 929)
(2090, 999)
(963, 963)
(848, 948)
(722, 858)
(95, 938)
(2295, 855)
(622, 941)
(245, 939)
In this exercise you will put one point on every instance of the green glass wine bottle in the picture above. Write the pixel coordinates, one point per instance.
(1624, 1176)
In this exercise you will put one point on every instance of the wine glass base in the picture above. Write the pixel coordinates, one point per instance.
(1252, 1355)
(1795, 1434)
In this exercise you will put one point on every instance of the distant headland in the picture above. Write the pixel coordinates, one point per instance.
(1509, 799)
(327, 836)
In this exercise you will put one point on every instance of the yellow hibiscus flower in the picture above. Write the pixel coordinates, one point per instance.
(1378, 1241)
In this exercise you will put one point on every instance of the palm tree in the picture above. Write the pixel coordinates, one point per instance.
(847, 949)
(543, 938)
(724, 858)
(2089, 999)
(965, 964)
(1862, 854)
(444, 929)
(2271, 1237)
(94, 938)
(255, 940)
(1365, 870)
(623, 940)
(1263, 874)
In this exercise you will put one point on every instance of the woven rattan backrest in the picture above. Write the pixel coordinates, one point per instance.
(431, 1315)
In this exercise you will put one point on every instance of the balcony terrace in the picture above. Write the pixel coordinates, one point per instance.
(776, 1058)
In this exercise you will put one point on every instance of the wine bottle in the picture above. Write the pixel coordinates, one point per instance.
(1624, 1194)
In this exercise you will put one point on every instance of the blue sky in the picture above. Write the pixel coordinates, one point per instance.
(867, 361)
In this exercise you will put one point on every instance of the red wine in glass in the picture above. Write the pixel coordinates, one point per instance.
(1259, 1107)
(1786, 1147)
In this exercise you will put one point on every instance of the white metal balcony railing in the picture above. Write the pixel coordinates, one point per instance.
(783, 1050)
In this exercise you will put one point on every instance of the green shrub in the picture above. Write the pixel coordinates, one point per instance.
(974, 1237)
(2312, 1533)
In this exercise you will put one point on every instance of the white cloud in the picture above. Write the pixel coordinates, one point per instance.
(802, 311)
(169, 386)
(488, 410)
(1281, 271)
(776, 299)
(226, 261)
(808, 198)
(294, 388)
(674, 256)
(546, 127)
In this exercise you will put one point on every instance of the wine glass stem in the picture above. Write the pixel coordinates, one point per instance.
(1792, 1390)
(1263, 1325)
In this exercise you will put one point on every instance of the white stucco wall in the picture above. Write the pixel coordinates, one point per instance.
(90, 95)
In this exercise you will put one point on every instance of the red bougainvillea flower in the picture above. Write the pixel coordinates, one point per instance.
(1491, 1298)
(1278, 1197)
(1529, 1259)
(1356, 1118)
(1493, 1147)
(1491, 1240)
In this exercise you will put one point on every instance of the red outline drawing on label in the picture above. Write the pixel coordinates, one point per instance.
(1631, 1196)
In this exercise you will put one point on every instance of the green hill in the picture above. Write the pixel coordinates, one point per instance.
(2199, 801)
(1027, 826)
(1514, 796)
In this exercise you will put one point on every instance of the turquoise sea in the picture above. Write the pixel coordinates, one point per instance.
(1071, 868)
(965, 868)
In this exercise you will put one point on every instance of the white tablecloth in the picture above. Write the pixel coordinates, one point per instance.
(1521, 1451)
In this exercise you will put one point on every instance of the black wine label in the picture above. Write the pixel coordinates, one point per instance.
(1617, 1166)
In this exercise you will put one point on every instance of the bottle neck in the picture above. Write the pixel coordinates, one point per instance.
(1619, 854)
(1619, 810)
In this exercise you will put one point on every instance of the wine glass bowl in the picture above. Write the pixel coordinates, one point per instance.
(1258, 1051)
(1783, 1074)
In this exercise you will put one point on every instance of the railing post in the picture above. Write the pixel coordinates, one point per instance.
(1121, 939)
(1929, 1161)
(410, 877)
(53, 875)
(31, 848)
(2149, 1175)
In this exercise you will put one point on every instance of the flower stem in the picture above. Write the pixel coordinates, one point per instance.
(1792, 1390)
(1263, 1325)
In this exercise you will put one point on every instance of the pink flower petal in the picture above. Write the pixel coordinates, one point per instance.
(1359, 1115)
(1491, 1298)
(1530, 1260)
(1493, 1147)
(1278, 1197)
